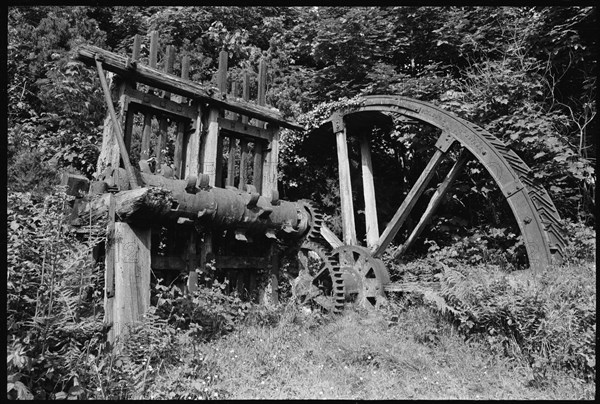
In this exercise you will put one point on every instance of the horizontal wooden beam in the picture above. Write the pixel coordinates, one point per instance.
(168, 262)
(147, 101)
(237, 127)
(177, 85)
(235, 262)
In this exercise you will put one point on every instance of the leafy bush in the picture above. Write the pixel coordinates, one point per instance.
(546, 318)
(54, 297)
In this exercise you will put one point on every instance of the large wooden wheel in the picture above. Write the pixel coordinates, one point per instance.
(531, 205)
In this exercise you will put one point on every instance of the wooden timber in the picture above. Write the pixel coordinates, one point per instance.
(372, 227)
(186, 88)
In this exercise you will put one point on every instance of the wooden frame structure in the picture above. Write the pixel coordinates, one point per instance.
(212, 137)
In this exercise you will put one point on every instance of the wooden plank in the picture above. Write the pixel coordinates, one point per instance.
(168, 262)
(169, 82)
(193, 145)
(192, 284)
(262, 86)
(180, 141)
(109, 273)
(434, 202)
(347, 206)
(231, 163)
(109, 151)
(274, 263)
(219, 163)
(239, 262)
(234, 93)
(243, 164)
(241, 129)
(132, 278)
(372, 227)
(118, 133)
(271, 159)
(245, 92)
(152, 104)
(147, 128)
(210, 146)
(330, 237)
(137, 48)
(257, 168)
(163, 126)
(409, 202)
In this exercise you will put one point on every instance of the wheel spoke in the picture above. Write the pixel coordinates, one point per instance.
(372, 227)
(409, 202)
(434, 202)
(330, 237)
(345, 181)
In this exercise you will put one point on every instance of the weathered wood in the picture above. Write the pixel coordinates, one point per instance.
(257, 167)
(238, 262)
(243, 164)
(210, 147)
(109, 272)
(169, 82)
(240, 128)
(409, 202)
(181, 139)
(245, 92)
(434, 202)
(193, 145)
(372, 227)
(136, 48)
(76, 185)
(109, 151)
(219, 163)
(234, 94)
(270, 162)
(347, 206)
(330, 237)
(168, 262)
(192, 283)
(231, 163)
(118, 131)
(132, 279)
(149, 104)
(163, 126)
(147, 128)
(131, 205)
(262, 86)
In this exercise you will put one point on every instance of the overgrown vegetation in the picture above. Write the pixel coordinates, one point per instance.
(472, 325)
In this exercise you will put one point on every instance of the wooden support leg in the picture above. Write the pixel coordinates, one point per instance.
(193, 276)
(132, 278)
(271, 294)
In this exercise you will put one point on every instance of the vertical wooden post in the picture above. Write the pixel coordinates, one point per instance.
(191, 262)
(147, 128)
(109, 268)
(209, 146)
(349, 229)
(231, 163)
(243, 164)
(245, 92)
(132, 277)
(193, 145)
(129, 115)
(161, 142)
(179, 154)
(372, 227)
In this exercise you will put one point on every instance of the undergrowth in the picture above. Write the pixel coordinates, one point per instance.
(546, 317)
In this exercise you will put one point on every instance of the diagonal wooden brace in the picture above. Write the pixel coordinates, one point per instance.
(117, 126)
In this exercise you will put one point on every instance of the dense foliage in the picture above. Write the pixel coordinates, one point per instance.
(526, 74)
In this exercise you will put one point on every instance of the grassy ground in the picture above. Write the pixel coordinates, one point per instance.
(358, 355)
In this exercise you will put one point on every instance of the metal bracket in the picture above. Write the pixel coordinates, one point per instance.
(513, 187)
(444, 142)
(337, 120)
